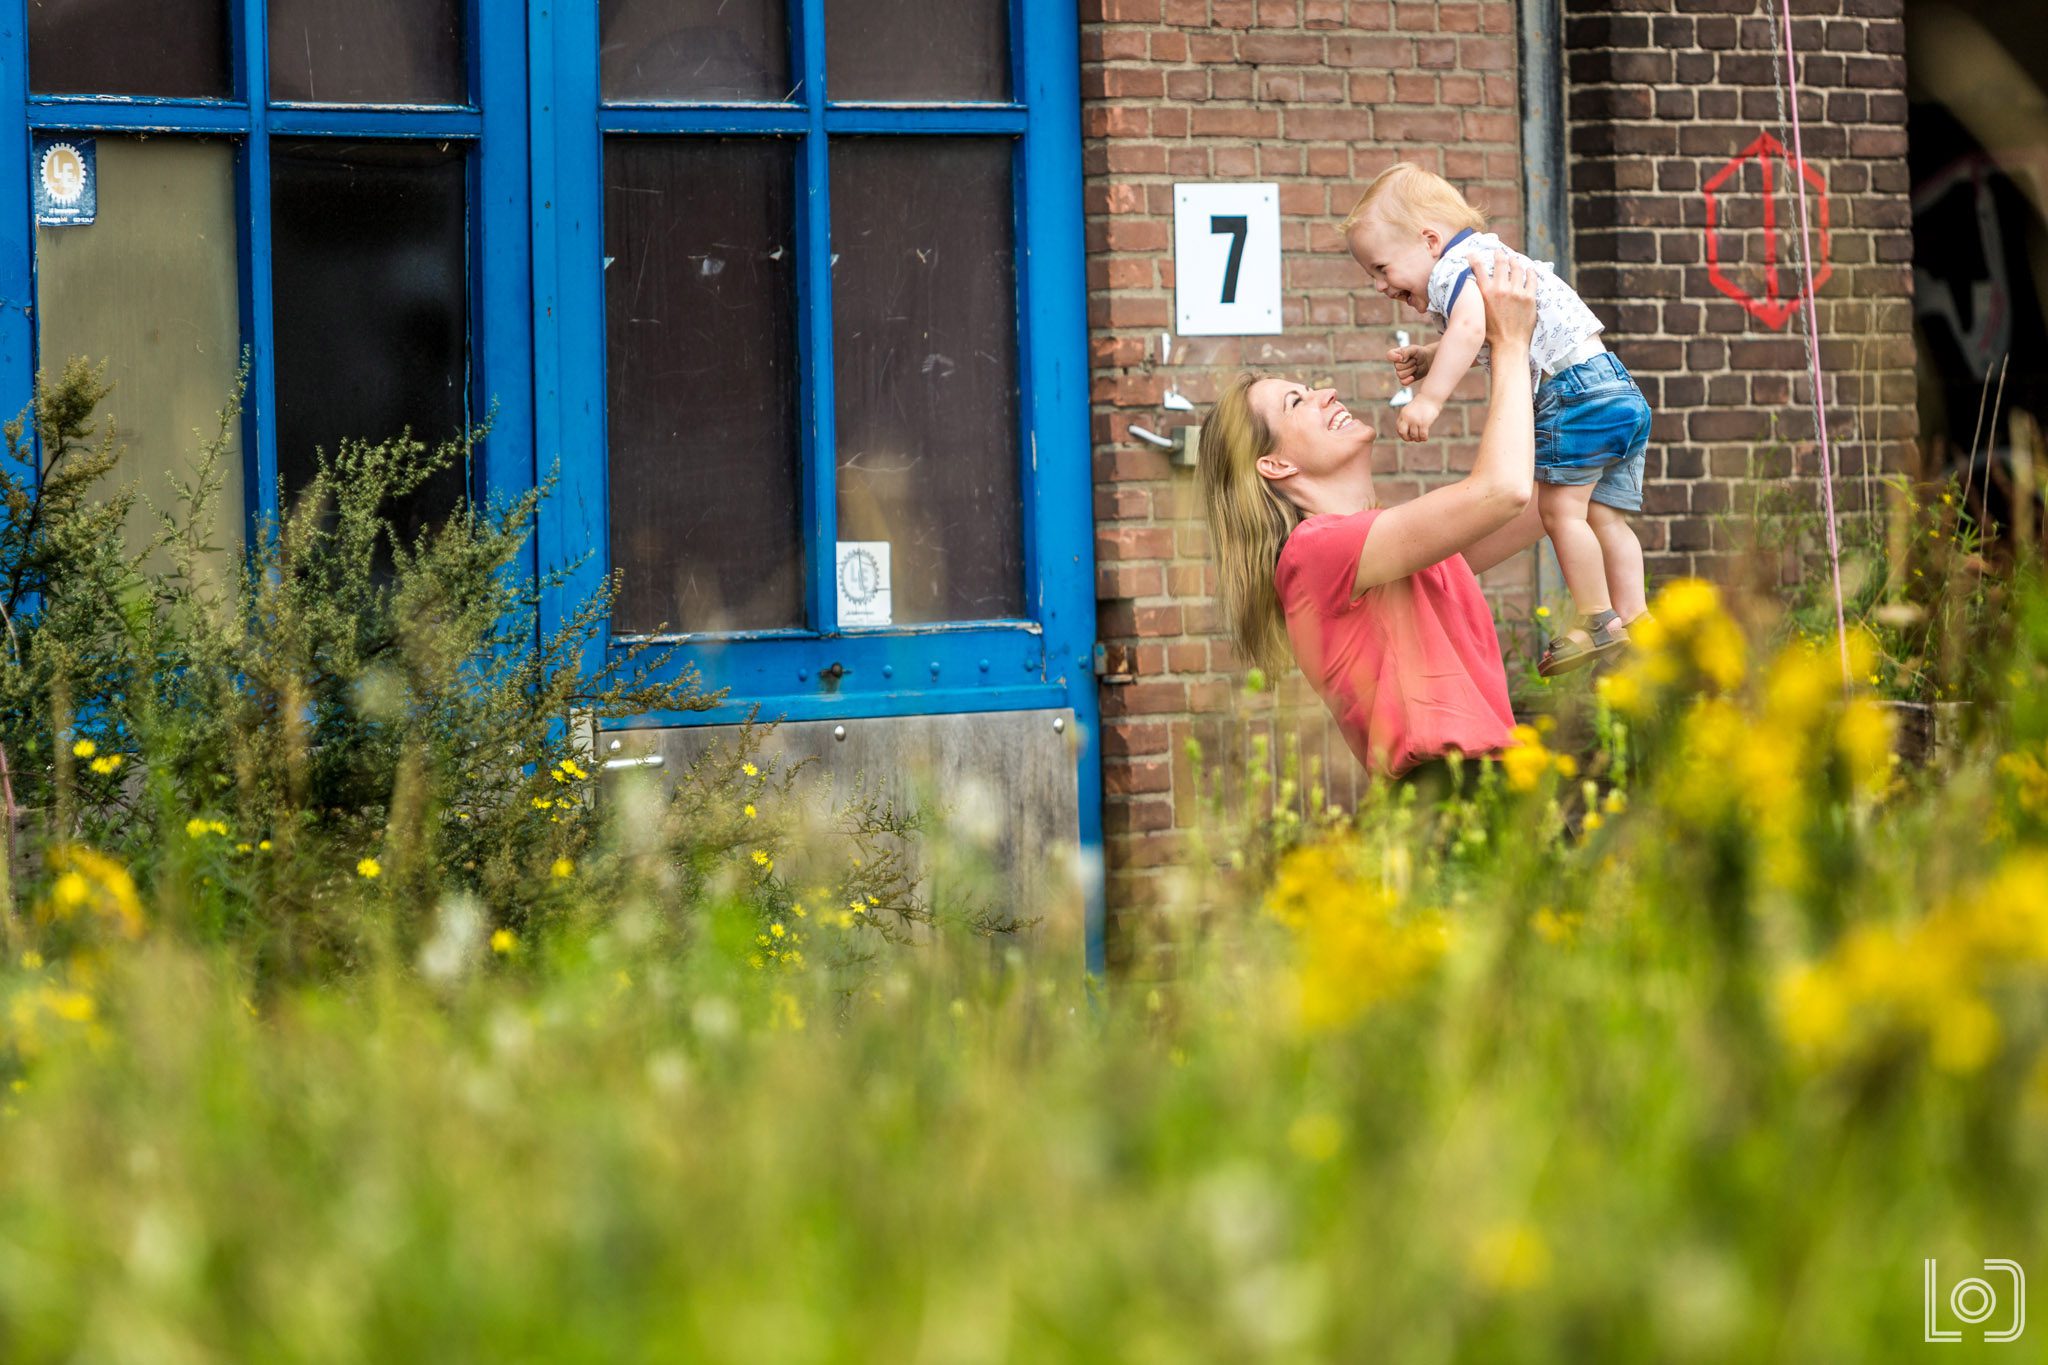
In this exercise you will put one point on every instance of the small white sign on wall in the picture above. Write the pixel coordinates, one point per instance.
(1226, 259)
(864, 598)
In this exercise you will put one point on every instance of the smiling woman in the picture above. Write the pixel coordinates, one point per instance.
(1380, 606)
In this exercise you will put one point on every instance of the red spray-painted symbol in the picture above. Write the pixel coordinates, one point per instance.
(1774, 307)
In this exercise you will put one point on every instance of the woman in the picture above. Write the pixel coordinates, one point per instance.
(1380, 606)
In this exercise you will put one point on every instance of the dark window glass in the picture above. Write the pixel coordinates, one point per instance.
(924, 333)
(701, 383)
(367, 52)
(655, 51)
(129, 47)
(917, 50)
(369, 273)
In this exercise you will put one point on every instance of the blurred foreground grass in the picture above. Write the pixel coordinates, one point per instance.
(339, 1022)
(1696, 1054)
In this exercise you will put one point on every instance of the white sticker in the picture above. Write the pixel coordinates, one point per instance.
(1226, 259)
(864, 583)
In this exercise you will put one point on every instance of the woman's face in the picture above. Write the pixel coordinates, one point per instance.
(1312, 432)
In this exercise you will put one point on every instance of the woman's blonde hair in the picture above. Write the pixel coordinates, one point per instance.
(1407, 196)
(1248, 520)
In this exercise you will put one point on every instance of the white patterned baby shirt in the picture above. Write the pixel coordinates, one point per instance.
(1563, 321)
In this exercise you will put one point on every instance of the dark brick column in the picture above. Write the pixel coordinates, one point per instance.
(1661, 97)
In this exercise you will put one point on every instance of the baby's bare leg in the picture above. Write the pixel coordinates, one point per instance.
(1563, 507)
(1623, 555)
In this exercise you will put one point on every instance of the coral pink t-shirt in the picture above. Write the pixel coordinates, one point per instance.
(1410, 669)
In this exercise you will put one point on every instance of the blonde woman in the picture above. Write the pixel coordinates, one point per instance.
(1380, 606)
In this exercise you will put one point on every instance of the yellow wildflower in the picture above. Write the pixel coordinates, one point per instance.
(1355, 944)
(778, 930)
(84, 748)
(542, 803)
(69, 892)
(1508, 1258)
(263, 845)
(562, 869)
(750, 770)
(105, 764)
(1316, 1136)
(90, 882)
(574, 769)
(369, 869)
(504, 942)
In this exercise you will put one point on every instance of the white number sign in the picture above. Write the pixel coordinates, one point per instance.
(1226, 259)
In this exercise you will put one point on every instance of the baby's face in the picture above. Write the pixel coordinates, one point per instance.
(1396, 259)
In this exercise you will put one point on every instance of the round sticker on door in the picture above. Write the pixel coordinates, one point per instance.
(64, 185)
(860, 577)
(63, 174)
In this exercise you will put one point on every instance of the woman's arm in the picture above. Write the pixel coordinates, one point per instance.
(1462, 515)
(1518, 535)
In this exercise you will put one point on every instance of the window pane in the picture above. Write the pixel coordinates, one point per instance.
(701, 383)
(129, 47)
(150, 287)
(924, 332)
(917, 50)
(694, 50)
(371, 312)
(367, 52)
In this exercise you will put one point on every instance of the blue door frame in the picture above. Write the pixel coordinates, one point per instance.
(538, 339)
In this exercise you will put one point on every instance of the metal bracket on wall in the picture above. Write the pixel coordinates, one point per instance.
(1115, 664)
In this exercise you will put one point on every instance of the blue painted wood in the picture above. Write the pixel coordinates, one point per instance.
(895, 663)
(1061, 483)
(501, 359)
(259, 401)
(676, 120)
(299, 120)
(818, 395)
(925, 118)
(801, 707)
(567, 159)
(148, 116)
(17, 222)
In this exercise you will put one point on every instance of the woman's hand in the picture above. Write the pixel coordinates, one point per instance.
(1506, 281)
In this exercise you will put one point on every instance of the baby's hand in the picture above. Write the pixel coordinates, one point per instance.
(1416, 419)
(1411, 363)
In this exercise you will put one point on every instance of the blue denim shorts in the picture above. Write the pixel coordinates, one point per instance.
(1593, 427)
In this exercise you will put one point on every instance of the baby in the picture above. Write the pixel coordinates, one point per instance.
(1412, 232)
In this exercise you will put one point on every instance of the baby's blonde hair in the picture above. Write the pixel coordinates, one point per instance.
(1407, 196)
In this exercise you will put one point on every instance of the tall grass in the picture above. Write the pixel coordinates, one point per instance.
(1696, 1058)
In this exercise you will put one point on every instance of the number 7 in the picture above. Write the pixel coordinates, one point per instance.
(1238, 226)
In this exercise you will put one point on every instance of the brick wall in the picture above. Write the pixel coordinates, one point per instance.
(1318, 96)
(1662, 94)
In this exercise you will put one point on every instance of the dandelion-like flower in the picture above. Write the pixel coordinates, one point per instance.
(562, 870)
(369, 869)
(763, 861)
(105, 764)
(503, 942)
(750, 770)
(749, 811)
(84, 748)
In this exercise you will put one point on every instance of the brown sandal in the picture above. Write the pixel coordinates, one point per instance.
(1604, 635)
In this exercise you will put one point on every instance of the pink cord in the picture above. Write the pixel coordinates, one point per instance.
(1820, 411)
